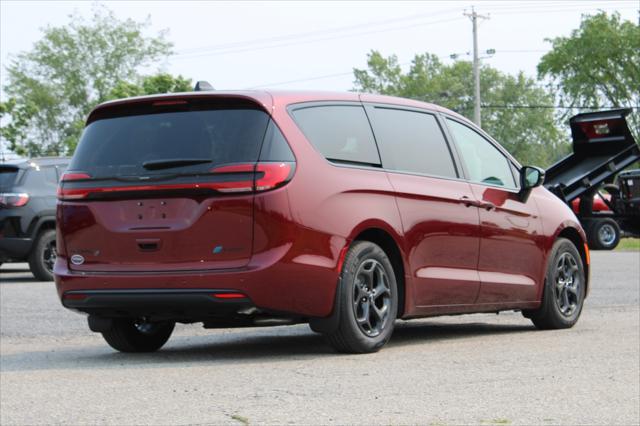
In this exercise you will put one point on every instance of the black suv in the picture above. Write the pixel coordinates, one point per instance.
(28, 212)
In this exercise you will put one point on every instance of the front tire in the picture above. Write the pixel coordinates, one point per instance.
(604, 234)
(564, 291)
(43, 255)
(129, 335)
(367, 300)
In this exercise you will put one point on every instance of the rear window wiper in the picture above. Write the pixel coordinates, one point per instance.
(169, 163)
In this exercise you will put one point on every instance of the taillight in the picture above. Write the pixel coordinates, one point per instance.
(72, 194)
(251, 177)
(13, 199)
(268, 175)
(275, 175)
(69, 176)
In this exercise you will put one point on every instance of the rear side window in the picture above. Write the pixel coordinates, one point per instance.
(8, 177)
(275, 147)
(485, 163)
(121, 146)
(340, 132)
(413, 142)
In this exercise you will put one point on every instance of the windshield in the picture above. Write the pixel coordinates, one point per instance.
(181, 142)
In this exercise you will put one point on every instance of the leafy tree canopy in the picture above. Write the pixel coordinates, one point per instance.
(53, 86)
(597, 66)
(529, 134)
(150, 85)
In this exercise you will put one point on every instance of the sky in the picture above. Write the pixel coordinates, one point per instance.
(315, 45)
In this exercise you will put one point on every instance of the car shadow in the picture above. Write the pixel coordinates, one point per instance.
(17, 276)
(272, 345)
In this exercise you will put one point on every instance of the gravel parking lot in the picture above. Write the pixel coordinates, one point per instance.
(477, 369)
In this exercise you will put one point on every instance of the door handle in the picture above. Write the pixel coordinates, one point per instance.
(487, 206)
(468, 202)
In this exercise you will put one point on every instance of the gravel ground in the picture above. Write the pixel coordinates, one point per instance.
(474, 369)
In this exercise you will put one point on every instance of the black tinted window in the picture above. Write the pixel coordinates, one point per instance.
(121, 145)
(7, 177)
(339, 132)
(275, 147)
(412, 142)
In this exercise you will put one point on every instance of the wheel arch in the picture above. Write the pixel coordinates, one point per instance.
(42, 223)
(389, 245)
(572, 234)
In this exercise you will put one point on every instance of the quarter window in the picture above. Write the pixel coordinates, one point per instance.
(340, 132)
(485, 163)
(412, 141)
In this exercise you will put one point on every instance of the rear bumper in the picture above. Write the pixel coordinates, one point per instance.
(283, 287)
(187, 305)
(14, 248)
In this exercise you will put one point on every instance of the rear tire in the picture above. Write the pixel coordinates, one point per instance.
(604, 234)
(564, 291)
(43, 255)
(129, 335)
(367, 300)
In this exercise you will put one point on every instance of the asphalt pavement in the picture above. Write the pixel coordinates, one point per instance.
(474, 369)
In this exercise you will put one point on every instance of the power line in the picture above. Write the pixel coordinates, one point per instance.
(305, 38)
(252, 49)
(313, 33)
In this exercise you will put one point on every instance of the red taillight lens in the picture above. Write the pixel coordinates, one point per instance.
(69, 176)
(72, 194)
(275, 175)
(12, 199)
(269, 176)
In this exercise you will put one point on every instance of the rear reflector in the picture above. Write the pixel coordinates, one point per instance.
(229, 296)
(13, 199)
(74, 296)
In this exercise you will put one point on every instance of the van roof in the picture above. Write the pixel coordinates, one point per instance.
(281, 98)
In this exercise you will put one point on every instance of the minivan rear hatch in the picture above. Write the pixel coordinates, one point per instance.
(164, 184)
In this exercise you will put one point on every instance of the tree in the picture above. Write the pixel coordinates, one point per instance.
(597, 66)
(151, 85)
(529, 134)
(53, 86)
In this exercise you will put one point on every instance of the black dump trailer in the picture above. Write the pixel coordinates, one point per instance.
(603, 147)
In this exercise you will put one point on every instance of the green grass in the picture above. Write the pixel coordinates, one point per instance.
(629, 244)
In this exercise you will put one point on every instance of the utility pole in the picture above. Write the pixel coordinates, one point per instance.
(476, 64)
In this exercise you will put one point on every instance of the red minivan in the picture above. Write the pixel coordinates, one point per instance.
(346, 211)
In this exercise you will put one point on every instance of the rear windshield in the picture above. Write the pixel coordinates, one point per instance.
(170, 142)
(7, 177)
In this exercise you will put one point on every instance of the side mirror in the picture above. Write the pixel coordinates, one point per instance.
(530, 177)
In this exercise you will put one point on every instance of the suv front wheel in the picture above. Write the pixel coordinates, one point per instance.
(564, 291)
(43, 255)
